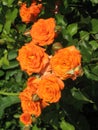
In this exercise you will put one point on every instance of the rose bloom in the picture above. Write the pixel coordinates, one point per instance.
(31, 107)
(66, 63)
(26, 118)
(29, 14)
(50, 88)
(32, 84)
(44, 104)
(32, 58)
(27, 103)
(35, 9)
(43, 31)
(25, 13)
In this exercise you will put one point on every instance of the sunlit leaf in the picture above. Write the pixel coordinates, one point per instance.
(11, 65)
(72, 28)
(84, 35)
(94, 1)
(76, 93)
(66, 125)
(94, 44)
(60, 20)
(7, 102)
(35, 128)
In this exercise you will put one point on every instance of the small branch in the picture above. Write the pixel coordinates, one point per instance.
(8, 93)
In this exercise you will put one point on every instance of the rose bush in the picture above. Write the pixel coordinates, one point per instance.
(48, 65)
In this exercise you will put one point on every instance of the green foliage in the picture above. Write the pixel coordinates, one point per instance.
(77, 94)
(72, 29)
(77, 24)
(94, 23)
(7, 102)
(66, 126)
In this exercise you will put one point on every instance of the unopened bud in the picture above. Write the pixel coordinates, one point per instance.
(19, 2)
(34, 119)
(35, 98)
(27, 33)
(57, 46)
(79, 71)
(27, 127)
(58, 28)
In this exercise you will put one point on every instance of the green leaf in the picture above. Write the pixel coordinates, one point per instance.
(66, 126)
(90, 74)
(4, 59)
(13, 14)
(35, 127)
(1, 26)
(10, 73)
(96, 36)
(66, 35)
(94, 1)
(86, 51)
(7, 102)
(10, 17)
(95, 70)
(60, 20)
(94, 44)
(65, 3)
(18, 76)
(21, 28)
(7, 2)
(7, 26)
(1, 73)
(94, 23)
(72, 28)
(77, 94)
(12, 55)
(12, 64)
(84, 35)
(10, 2)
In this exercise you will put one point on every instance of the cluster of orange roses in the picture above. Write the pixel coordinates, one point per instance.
(46, 72)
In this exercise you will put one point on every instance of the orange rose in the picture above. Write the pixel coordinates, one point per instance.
(25, 13)
(65, 62)
(44, 104)
(32, 84)
(32, 58)
(26, 118)
(50, 88)
(27, 103)
(29, 14)
(43, 31)
(35, 9)
(31, 107)
(26, 94)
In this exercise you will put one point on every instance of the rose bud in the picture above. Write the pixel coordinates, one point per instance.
(36, 98)
(57, 46)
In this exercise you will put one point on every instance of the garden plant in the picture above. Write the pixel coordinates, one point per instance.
(48, 64)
